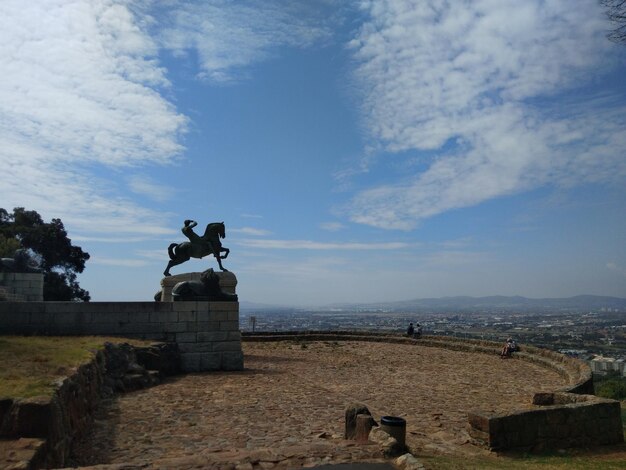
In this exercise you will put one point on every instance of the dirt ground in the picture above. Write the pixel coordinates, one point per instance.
(289, 403)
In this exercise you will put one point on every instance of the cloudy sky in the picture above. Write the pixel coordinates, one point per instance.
(357, 151)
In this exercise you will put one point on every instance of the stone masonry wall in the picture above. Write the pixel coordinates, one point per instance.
(565, 420)
(207, 333)
(22, 286)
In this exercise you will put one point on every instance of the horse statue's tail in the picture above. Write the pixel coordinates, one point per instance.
(170, 250)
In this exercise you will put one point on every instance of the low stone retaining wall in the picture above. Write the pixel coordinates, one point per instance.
(560, 420)
(207, 333)
(577, 372)
(58, 420)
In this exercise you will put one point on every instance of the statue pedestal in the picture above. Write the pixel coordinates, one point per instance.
(228, 283)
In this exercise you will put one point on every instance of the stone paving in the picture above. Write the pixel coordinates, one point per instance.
(286, 409)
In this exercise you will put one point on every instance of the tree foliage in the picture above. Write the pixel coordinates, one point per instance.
(8, 246)
(60, 260)
(616, 11)
(612, 387)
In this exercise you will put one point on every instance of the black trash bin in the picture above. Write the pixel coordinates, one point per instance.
(395, 427)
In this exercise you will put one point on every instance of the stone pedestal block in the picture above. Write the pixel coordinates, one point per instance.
(18, 287)
(228, 283)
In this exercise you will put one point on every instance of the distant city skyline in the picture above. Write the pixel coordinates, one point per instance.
(357, 151)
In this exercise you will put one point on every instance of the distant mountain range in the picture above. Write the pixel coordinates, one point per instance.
(582, 303)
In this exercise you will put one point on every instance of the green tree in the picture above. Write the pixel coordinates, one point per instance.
(616, 11)
(612, 386)
(8, 246)
(60, 260)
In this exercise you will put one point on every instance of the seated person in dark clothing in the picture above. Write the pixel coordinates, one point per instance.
(508, 348)
(410, 330)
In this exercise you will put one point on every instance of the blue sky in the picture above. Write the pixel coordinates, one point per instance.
(356, 151)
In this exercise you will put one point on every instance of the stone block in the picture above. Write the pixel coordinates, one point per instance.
(203, 315)
(210, 361)
(232, 360)
(557, 416)
(190, 362)
(163, 317)
(174, 327)
(156, 337)
(185, 306)
(195, 347)
(64, 307)
(22, 307)
(40, 318)
(234, 336)
(11, 318)
(211, 336)
(233, 316)
(71, 317)
(104, 329)
(218, 315)
(140, 327)
(186, 337)
(224, 306)
(190, 316)
(227, 346)
(203, 326)
(112, 316)
(229, 326)
(139, 317)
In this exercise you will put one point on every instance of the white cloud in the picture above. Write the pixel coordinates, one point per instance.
(469, 77)
(119, 240)
(78, 91)
(616, 267)
(150, 188)
(230, 35)
(453, 258)
(313, 245)
(126, 263)
(251, 231)
(332, 226)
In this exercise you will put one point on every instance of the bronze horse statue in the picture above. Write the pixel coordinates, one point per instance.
(198, 247)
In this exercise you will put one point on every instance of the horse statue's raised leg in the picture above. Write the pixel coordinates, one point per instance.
(219, 258)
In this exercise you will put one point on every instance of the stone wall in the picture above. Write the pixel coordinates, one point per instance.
(57, 419)
(576, 372)
(55, 422)
(559, 420)
(26, 287)
(207, 333)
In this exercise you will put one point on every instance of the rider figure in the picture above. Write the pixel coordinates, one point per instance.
(194, 238)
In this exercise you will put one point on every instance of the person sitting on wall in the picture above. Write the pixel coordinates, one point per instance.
(509, 348)
(410, 330)
(418, 331)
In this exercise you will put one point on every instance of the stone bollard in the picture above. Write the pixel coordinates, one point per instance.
(395, 427)
(364, 425)
(351, 419)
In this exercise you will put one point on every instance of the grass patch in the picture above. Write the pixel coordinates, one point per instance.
(597, 461)
(31, 365)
